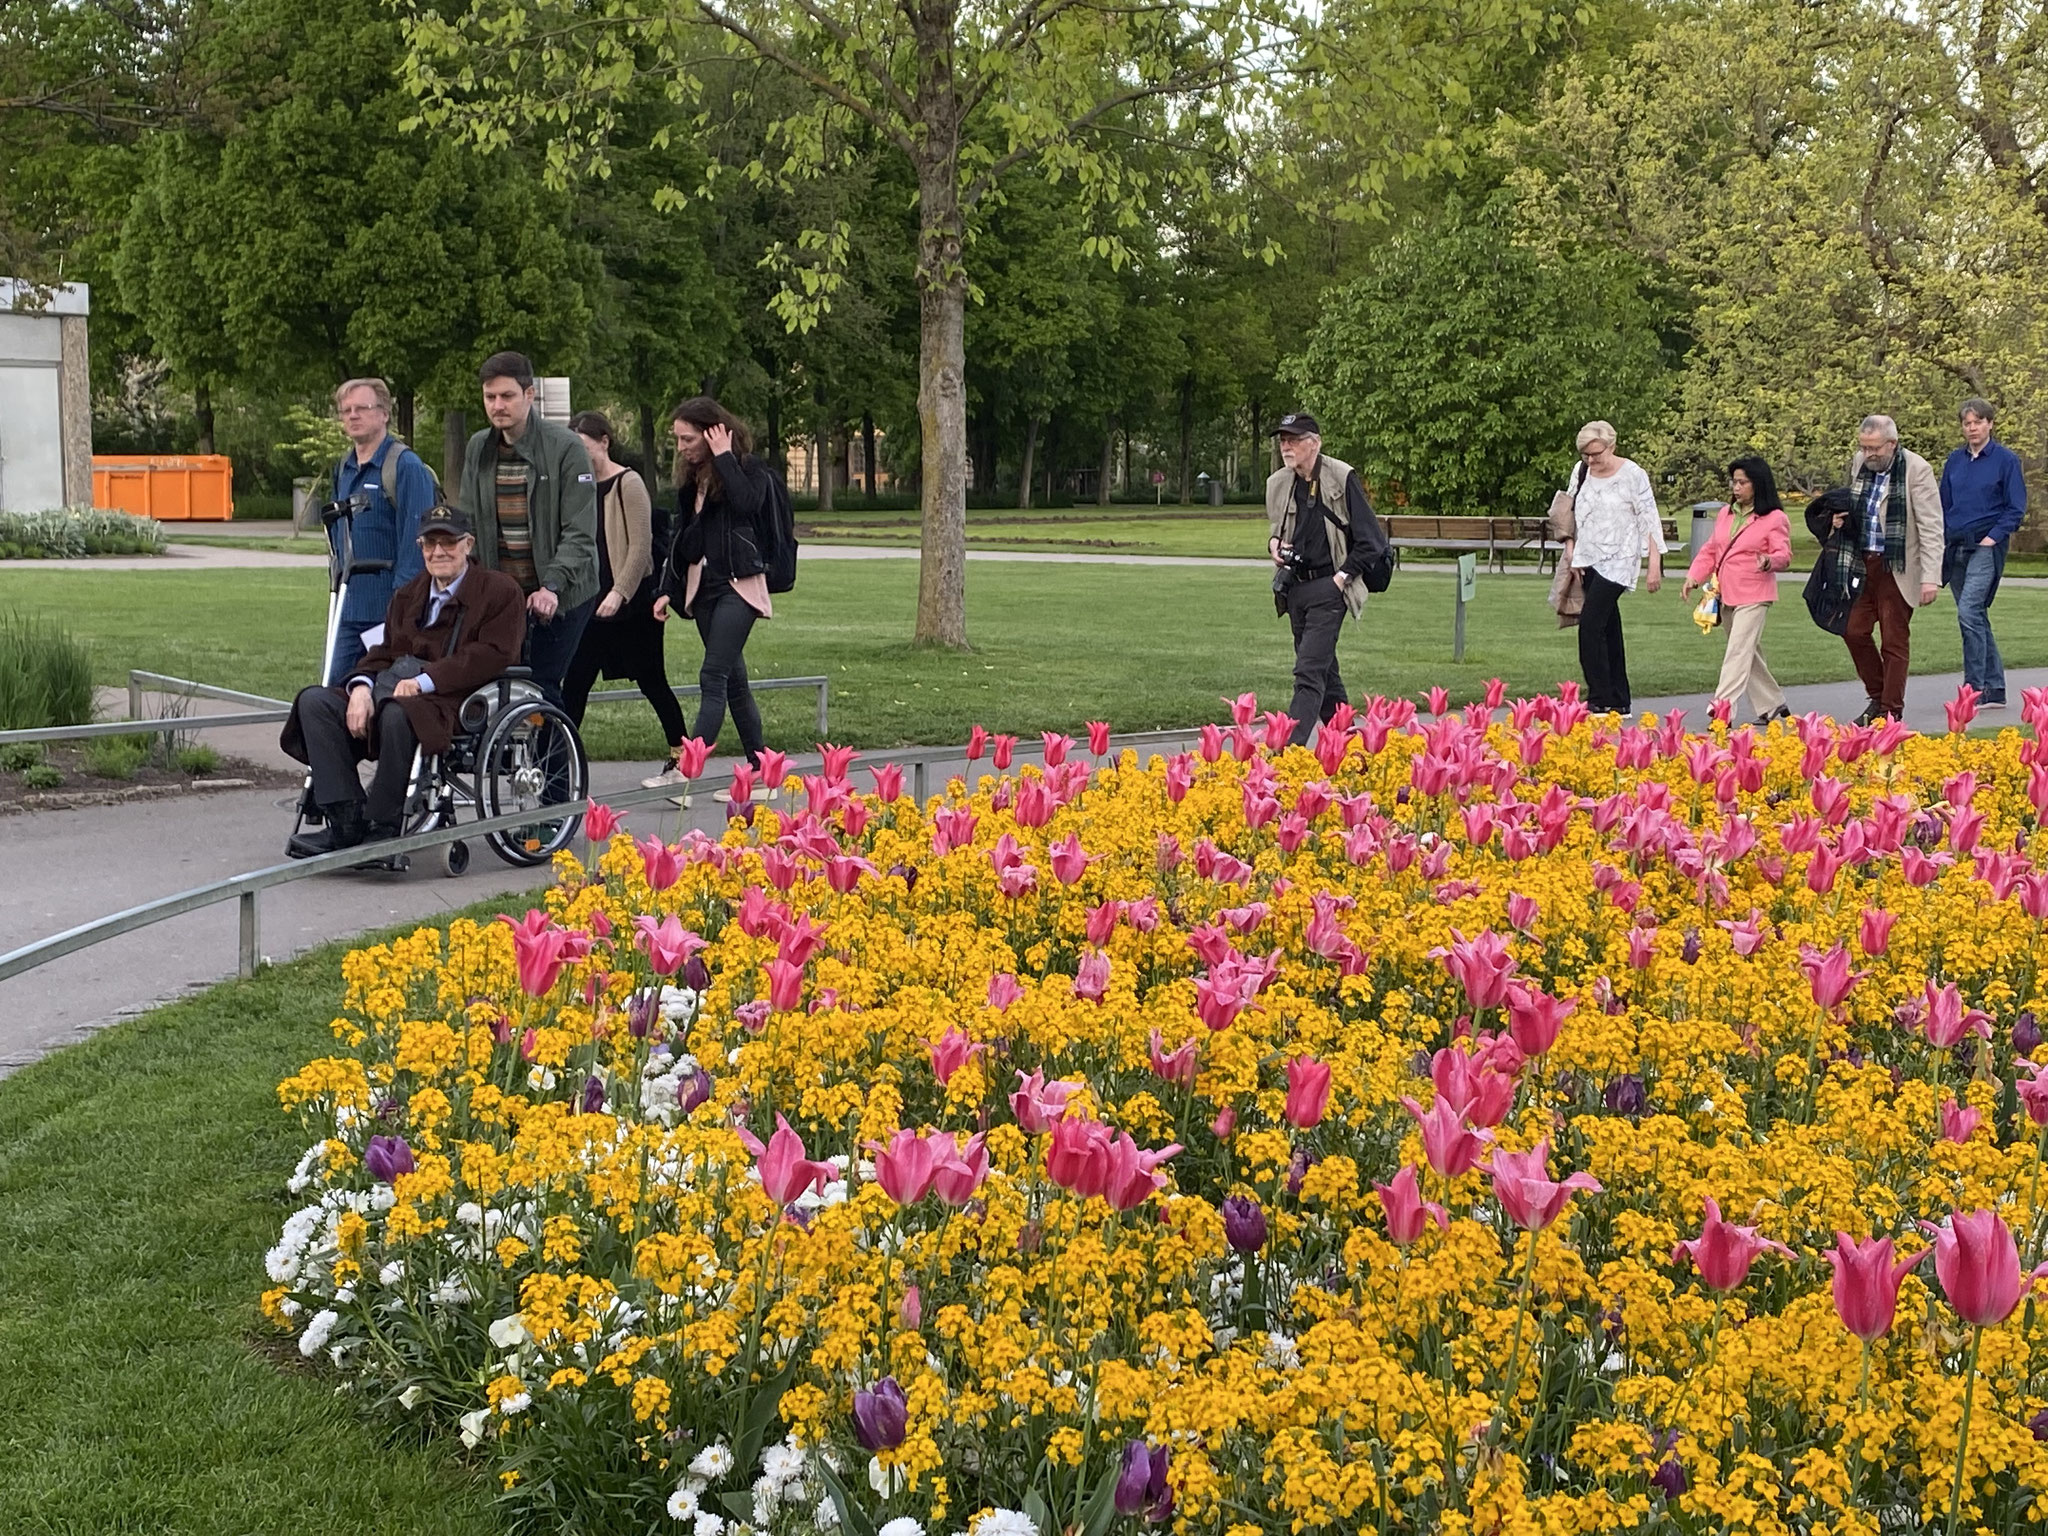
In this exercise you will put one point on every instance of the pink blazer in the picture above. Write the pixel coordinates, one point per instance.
(1741, 582)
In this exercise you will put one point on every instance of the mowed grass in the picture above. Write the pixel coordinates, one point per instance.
(1054, 645)
(141, 1180)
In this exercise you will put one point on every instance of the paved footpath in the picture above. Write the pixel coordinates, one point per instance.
(69, 867)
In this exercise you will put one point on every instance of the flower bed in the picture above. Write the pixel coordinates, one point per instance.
(1536, 1126)
(74, 534)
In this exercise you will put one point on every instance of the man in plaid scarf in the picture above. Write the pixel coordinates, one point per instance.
(1899, 536)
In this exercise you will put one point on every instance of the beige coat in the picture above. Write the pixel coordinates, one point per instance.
(1924, 536)
(629, 533)
(1332, 475)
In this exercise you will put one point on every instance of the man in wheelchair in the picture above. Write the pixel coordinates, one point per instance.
(450, 630)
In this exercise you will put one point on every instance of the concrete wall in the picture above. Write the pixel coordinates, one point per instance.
(43, 336)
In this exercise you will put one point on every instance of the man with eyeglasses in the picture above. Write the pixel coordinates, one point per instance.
(453, 628)
(397, 490)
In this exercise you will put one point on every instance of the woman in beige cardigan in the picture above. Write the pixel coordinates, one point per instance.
(623, 638)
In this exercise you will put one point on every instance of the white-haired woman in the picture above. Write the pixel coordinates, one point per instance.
(1617, 524)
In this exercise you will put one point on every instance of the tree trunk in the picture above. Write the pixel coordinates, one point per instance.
(1187, 440)
(1258, 423)
(202, 408)
(650, 463)
(454, 442)
(828, 472)
(1125, 482)
(1108, 461)
(1030, 459)
(941, 357)
(776, 456)
(405, 402)
(867, 449)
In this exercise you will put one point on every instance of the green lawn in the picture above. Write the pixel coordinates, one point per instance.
(141, 1180)
(1055, 646)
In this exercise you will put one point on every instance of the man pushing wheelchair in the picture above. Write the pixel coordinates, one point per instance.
(447, 632)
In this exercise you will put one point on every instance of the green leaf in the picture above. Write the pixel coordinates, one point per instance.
(1099, 1513)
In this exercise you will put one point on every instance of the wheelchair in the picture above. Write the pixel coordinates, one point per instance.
(513, 752)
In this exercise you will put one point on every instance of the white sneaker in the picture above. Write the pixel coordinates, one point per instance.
(664, 780)
(759, 797)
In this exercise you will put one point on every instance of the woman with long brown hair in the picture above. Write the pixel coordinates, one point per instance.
(717, 570)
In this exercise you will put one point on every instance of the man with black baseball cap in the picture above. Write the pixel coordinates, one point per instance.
(1328, 550)
(453, 628)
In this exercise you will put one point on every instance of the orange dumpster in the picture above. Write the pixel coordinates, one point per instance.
(173, 488)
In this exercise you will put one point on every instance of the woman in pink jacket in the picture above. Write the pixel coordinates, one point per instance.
(1752, 542)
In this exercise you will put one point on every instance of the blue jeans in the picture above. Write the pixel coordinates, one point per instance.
(1973, 577)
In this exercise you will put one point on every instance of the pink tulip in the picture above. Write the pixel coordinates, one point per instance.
(1723, 1252)
(1874, 936)
(1922, 869)
(1069, 862)
(1746, 934)
(1056, 747)
(1003, 990)
(1244, 708)
(1962, 709)
(1945, 1020)
(1034, 804)
(961, 1170)
(1522, 911)
(952, 1051)
(1828, 975)
(1471, 1087)
(1406, 1211)
(785, 1171)
(1867, 1284)
(952, 827)
(1958, 1121)
(1483, 966)
(977, 743)
(1091, 976)
(600, 822)
(1224, 1123)
(1005, 748)
(1308, 1091)
(1039, 1105)
(664, 865)
(1102, 920)
(1016, 880)
(666, 942)
(785, 985)
(888, 782)
(1439, 701)
(1220, 998)
(1522, 1184)
(798, 938)
(1098, 738)
(904, 1167)
(539, 950)
(2032, 890)
(774, 769)
(1978, 1265)
(1535, 1018)
(2033, 1091)
(911, 1310)
(1279, 729)
(1176, 1066)
(1452, 1147)
(843, 872)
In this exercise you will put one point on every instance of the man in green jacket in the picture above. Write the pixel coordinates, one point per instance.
(530, 494)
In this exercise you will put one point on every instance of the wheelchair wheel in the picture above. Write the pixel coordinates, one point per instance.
(454, 858)
(530, 759)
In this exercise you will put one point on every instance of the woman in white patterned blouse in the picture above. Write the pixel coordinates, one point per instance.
(1616, 513)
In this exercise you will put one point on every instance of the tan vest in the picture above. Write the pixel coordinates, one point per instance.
(1331, 477)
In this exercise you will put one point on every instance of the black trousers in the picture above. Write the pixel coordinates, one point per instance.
(1315, 612)
(1602, 655)
(649, 674)
(551, 646)
(723, 623)
(333, 753)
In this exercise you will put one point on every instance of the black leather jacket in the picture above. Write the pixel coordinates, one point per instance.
(735, 516)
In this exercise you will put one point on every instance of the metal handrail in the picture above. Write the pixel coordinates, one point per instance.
(245, 888)
(758, 685)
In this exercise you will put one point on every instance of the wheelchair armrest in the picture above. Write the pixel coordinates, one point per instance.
(517, 672)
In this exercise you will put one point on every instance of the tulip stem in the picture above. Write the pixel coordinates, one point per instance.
(1856, 1447)
(1514, 1380)
(1955, 1496)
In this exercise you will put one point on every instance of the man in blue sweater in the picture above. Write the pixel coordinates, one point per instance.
(1983, 499)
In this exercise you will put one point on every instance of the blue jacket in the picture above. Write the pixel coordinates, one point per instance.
(389, 530)
(1984, 496)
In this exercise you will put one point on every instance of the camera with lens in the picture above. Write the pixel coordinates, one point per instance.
(1293, 568)
(353, 506)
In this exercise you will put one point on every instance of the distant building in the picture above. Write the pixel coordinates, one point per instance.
(45, 397)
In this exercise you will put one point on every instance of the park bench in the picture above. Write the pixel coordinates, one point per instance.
(1495, 537)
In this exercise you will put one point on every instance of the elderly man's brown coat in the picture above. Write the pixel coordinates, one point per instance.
(490, 611)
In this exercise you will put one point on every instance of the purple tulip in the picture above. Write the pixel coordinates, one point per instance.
(1298, 1167)
(881, 1415)
(2038, 1425)
(1244, 1225)
(1141, 1483)
(1690, 954)
(692, 1091)
(1670, 1479)
(1625, 1095)
(387, 1157)
(641, 1013)
(696, 974)
(2026, 1034)
(907, 873)
(593, 1095)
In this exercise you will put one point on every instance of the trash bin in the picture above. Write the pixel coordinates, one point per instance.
(1215, 493)
(1703, 515)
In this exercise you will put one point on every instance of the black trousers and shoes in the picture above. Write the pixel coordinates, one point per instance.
(723, 623)
(332, 753)
(629, 647)
(1602, 655)
(1315, 612)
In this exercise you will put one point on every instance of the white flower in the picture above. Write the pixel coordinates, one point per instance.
(518, 1402)
(470, 1214)
(314, 1339)
(767, 1494)
(391, 1273)
(826, 1516)
(345, 1295)
(473, 1427)
(290, 1308)
(783, 1463)
(886, 1481)
(1006, 1522)
(902, 1525)
(451, 1291)
(708, 1524)
(540, 1077)
(1281, 1354)
(682, 1504)
(409, 1399)
(508, 1332)
(711, 1463)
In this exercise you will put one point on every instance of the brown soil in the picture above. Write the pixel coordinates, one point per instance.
(152, 781)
